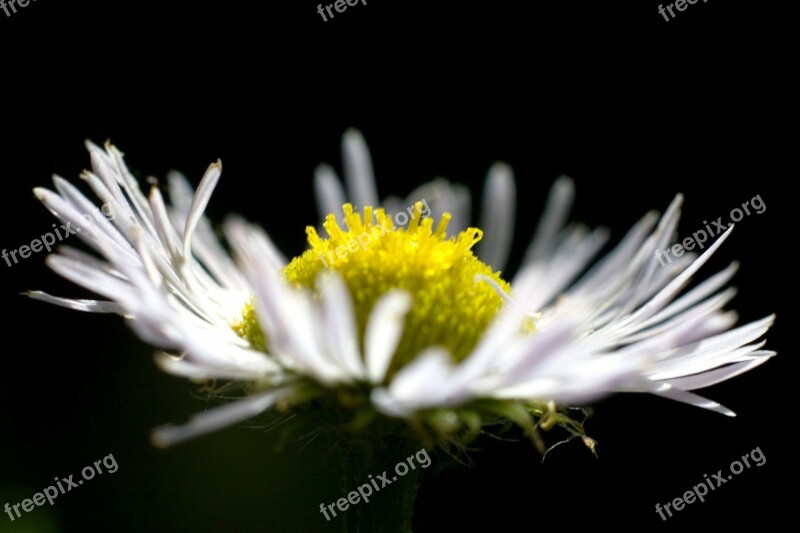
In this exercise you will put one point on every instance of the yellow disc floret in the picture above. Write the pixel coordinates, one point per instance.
(451, 305)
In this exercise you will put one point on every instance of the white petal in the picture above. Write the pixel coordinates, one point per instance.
(498, 218)
(643, 286)
(92, 235)
(559, 203)
(523, 360)
(667, 293)
(329, 192)
(697, 294)
(218, 418)
(109, 165)
(613, 271)
(710, 352)
(181, 366)
(90, 306)
(210, 349)
(244, 236)
(199, 203)
(164, 229)
(288, 318)
(81, 274)
(286, 314)
(692, 399)
(384, 329)
(587, 381)
(340, 331)
(567, 260)
(696, 313)
(712, 377)
(358, 170)
(425, 382)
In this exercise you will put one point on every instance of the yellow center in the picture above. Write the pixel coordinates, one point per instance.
(451, 306)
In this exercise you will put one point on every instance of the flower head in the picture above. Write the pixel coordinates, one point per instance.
(401, 326)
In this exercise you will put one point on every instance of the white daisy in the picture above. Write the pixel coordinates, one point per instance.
(402, 322)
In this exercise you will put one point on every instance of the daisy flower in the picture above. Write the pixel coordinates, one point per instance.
(384, 330)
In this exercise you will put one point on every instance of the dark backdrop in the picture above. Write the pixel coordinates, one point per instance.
(634, 108)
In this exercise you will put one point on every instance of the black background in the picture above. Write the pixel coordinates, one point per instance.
(634, 108)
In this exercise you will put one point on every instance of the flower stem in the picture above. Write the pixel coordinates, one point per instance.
(369, 468)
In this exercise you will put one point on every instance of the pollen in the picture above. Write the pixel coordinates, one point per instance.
(452, 305)
(248, 328)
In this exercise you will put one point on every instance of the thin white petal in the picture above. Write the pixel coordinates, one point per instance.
(164, 228)
(497, 221)
(710, 352)
(89, 306)
(329, 192)
(611, 272)
(568, 259)
(341, 332)
(199, 203)
(95, 237)
(559, 203)
(590, 380)
(697, 294)
(696, 313)
(286, 314)
(667, 293)
(358, 170)
(384, 329)
(211, 349)
(245, 236)
(181, 366)
(692, 399)
(712, 377)
(80, 274)
(218, 418)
